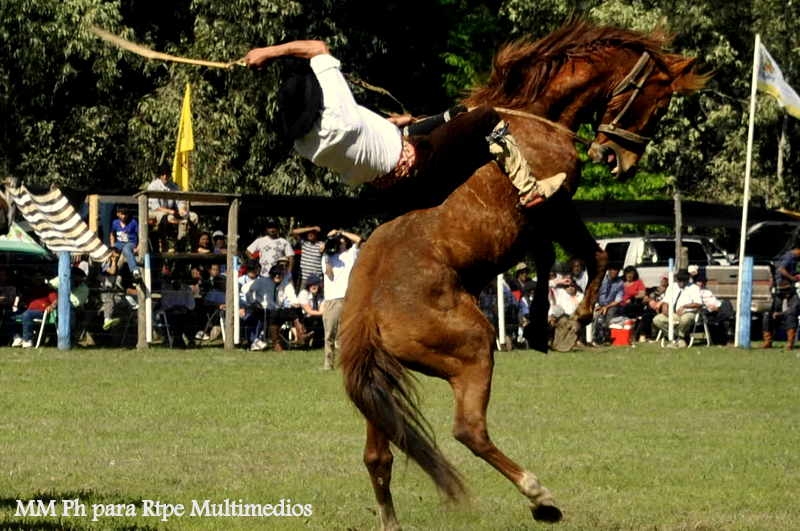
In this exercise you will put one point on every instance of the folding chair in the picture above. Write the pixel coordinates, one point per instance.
(161, 323)
(50, 317)
(701, 322)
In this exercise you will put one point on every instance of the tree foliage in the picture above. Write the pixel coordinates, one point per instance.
(80, 113)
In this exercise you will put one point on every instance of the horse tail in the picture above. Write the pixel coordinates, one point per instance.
(385, 394)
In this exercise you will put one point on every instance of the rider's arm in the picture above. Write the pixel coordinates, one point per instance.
(304, 49)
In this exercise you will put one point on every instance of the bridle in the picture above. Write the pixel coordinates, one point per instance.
(636, 78)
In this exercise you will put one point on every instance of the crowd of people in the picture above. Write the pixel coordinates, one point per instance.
(291, 290)
(624, 302)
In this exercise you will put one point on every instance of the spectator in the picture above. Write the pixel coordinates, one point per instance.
(125, 237)
(220, 242)
(653, 300)
(109, 285)
(270, 247)
(785, 303)
(311, 301)
(45, 300)
(79, 292)
(178, 304)
(341, 251)
(719, 313)
(204, 244)
(577, 270)
(634, 290)
(608, 300)
(165, 212)
(277, 297)
(517, 284)
(251, 312)
(565, 300)
(310, 252)
(685, 301)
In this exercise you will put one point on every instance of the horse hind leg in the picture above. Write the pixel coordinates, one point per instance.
(471, 388)
(378, 460)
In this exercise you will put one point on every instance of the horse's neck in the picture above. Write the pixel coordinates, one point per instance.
(570, 108)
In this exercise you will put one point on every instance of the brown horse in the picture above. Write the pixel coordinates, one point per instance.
(411, 303)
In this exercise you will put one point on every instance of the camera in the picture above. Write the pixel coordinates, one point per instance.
(332, 244)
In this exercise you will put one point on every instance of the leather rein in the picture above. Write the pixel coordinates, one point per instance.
(636, 78)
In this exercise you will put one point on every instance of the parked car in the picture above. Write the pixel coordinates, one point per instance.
(651, 255)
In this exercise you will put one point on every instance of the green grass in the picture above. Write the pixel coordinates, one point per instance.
(644, 438)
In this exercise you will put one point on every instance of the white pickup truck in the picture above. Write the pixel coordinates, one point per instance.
(651, 254)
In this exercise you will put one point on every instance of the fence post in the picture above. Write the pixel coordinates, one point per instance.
(743, 311)
(64, 290)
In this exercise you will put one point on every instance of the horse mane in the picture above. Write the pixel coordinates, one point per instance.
(521, 69)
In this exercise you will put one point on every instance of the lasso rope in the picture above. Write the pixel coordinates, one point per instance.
(147, 53)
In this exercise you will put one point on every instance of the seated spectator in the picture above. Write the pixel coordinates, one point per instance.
(47, 300)
(124, 237)
(310, 251)
(251, 312)
(212, 293)
(310, 300)
(178, 303)
(719, 313)
(685, 301)
(276, 297)
(204, 244)
(652, 307)
(220, 243)
(633, 292)
(79, 292)
(566, 298)
(166, 213)
(608, 300)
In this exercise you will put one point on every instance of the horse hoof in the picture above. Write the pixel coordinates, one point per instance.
(546, 513)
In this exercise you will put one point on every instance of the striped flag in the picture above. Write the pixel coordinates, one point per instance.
(185, 143)
(770, 80)
(57, 224)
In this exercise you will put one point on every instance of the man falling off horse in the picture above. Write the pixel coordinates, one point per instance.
(320, 115)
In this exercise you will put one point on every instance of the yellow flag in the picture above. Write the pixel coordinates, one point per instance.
(185, 144)
(770, 80)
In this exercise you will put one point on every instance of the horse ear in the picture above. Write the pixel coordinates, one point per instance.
(685, 78)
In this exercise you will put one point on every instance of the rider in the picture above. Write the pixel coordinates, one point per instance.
(328, 127)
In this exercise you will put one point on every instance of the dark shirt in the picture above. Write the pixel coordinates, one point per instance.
(789, 262)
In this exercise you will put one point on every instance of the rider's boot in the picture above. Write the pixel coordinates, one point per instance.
(506, 151)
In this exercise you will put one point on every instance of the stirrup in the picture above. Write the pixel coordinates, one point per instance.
(498, 134)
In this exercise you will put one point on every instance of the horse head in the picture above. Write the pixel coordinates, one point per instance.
(620, 81)
(638, 101)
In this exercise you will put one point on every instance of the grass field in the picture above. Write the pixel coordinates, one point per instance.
(644, 438)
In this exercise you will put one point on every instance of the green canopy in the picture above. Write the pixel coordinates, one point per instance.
(18, 241)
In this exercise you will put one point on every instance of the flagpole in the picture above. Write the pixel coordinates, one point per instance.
(746, 195)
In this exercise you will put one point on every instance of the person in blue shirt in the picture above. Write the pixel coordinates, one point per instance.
(785, 303)
(608, 300)
(125, 237)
